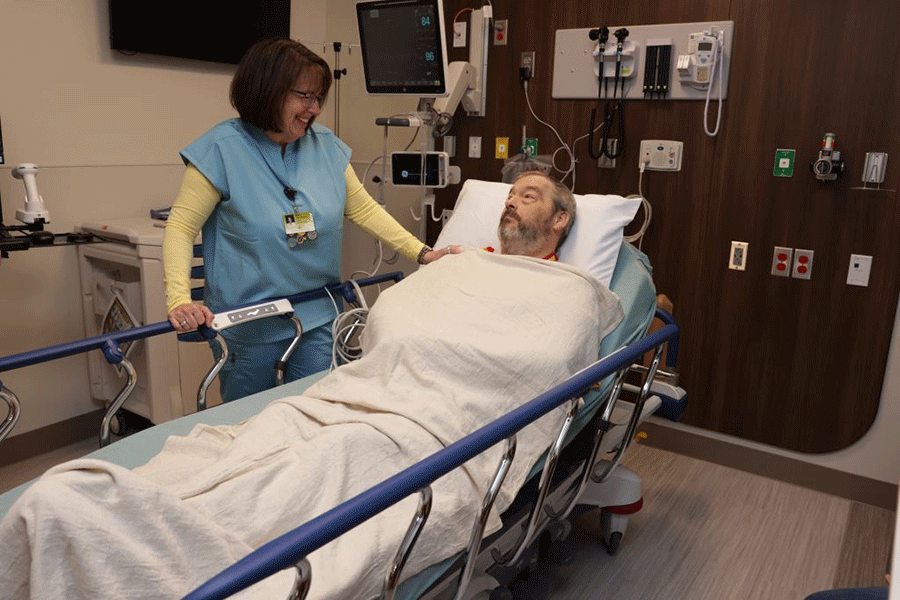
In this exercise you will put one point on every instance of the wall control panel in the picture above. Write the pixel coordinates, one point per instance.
(661, 155)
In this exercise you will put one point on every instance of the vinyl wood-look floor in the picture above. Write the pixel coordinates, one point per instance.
(705, 532)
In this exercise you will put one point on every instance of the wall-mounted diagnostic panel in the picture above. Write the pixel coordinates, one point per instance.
(681, 61)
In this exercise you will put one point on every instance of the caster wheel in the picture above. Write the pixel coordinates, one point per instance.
(612, 546)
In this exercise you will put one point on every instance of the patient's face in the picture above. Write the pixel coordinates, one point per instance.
(526, 222)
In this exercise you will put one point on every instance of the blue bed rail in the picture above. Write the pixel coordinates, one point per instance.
(109, 345)
(291, 548)
(33, 357)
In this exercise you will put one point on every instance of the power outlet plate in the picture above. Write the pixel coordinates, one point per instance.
(781, 261)
(527, 60)
(738, 257)
(501, 32)
(803, 263)
(475, 147)
(459, 34)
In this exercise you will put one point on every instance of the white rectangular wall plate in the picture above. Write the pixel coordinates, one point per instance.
(475, 146)
(459, 34)
(661, 155)
(737, 260)
(860, 268)
(575, 64)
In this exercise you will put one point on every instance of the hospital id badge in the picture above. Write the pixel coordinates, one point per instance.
(299, 227)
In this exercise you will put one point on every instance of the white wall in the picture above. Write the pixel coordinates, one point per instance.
(105, 130)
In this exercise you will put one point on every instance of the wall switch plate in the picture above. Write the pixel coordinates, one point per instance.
(445, 216)
(803, 262)
(500, 32)
(860, 267)
(781, 261)
(738, 258)
(661, 155)
(459, 34)
(475, 146)
(605, 162)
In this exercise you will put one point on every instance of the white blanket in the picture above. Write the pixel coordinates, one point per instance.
(451, 348)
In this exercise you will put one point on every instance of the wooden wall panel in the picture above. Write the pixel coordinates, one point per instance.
(797, 364)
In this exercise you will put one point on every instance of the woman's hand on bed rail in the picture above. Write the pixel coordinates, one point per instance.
(433, 255)
(187, 317)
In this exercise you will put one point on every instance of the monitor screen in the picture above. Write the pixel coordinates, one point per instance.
(204, 30)
(403, 47)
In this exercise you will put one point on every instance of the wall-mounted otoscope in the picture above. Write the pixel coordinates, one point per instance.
(34, 204)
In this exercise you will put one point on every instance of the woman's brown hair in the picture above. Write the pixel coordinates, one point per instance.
(265, 76)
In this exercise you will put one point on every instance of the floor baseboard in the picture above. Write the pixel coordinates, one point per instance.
(781, 468)
(49, 438)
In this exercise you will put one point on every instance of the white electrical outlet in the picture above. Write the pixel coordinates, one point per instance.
(738, 258)
(475, 147)
(661, 155)
(459, 34)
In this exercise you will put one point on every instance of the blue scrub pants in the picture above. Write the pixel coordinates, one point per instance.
(251, 367)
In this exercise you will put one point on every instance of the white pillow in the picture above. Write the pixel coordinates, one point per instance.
(593, 242)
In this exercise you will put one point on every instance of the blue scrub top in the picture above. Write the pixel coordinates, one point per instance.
(246, 253)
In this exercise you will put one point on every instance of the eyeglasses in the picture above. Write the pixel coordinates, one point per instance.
(307, 98)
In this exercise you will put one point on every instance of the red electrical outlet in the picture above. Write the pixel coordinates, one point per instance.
(803, 262)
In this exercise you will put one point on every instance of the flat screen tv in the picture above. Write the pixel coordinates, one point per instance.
(200, 29)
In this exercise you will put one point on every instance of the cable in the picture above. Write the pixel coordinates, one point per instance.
(562, 143)
(346, 326)
(720, 60)
(648, 210)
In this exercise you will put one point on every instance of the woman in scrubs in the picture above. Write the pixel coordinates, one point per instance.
(270, 191)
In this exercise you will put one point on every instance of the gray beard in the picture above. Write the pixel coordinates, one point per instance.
(518, 238)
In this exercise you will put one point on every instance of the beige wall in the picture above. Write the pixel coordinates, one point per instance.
(105, 130)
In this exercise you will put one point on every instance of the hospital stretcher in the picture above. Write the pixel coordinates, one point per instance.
(555, 481)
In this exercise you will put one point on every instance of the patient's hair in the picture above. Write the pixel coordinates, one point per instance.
(563, 200)
(265, 76)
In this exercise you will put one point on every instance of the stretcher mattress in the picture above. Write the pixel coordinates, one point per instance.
(631, 281)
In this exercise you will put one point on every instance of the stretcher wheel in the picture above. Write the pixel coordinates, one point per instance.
(612, 545)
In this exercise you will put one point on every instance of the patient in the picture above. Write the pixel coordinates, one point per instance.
(449, 349)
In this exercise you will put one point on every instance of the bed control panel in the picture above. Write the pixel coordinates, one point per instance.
(224, 320)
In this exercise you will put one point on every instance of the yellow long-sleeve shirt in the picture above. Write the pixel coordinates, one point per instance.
(197, 199)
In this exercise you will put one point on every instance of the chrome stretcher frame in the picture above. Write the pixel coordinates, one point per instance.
(549, 497)
(110, 343)
(290, 550)
(414, 586)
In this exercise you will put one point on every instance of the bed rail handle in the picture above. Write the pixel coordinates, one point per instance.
(550, 462)
(213, 371)
(602, 428)
(15, 410)
(302, 581)
(114, 355)
(281, 365)
(481, 521)
(406, 546)
(633, 421)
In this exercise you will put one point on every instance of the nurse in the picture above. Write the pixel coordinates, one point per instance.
(270, 190)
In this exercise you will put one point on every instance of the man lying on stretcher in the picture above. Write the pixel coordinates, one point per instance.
(449, 349)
